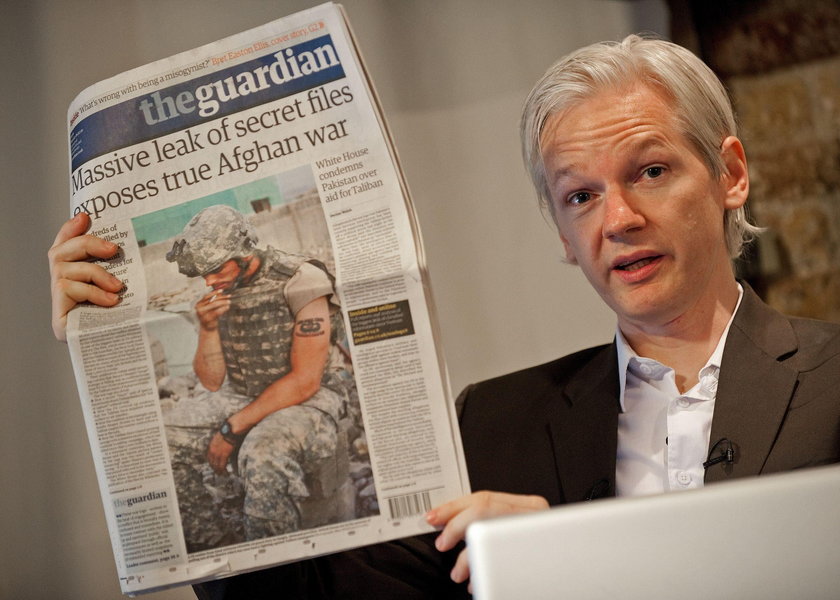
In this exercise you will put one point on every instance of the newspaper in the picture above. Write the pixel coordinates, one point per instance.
(263, 158)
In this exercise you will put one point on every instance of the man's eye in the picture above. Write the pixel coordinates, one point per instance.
(579, 198)
(654, 172)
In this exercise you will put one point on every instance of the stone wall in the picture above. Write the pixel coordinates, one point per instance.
(780, 60)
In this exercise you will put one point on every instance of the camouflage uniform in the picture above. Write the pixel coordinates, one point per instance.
(270, 472)
(272, 463)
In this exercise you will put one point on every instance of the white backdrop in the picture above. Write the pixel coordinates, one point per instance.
(452, 76)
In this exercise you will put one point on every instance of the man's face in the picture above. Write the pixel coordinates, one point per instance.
(224, 277)
(636, 206)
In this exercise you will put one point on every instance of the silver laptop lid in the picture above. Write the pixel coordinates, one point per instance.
(776, 536)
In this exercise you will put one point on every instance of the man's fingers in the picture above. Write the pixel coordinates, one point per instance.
(70, 245)
(218, 304)
(85, 272)
(440, 515)
(213, 296)
(72, 228)
(456, 528)
(67, 293)
(73, 279)
(75, 282)
(461, 571)
(457, 515)
(218, 453)
(485, 501)
(209, 312)
(80, 248)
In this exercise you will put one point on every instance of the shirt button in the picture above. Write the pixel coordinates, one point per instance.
(709, 385)
(683, 402)
(646, 369)
(683, 478)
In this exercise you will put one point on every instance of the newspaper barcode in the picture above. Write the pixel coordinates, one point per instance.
(412, 504)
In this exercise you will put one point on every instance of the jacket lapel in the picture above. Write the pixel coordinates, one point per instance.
(583, 425)
(755, 387)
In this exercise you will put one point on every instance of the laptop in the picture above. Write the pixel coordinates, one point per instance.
(770, 537)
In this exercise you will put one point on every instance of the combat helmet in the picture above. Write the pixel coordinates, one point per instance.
(211, 238)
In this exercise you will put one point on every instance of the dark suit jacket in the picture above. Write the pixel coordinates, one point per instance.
(551, 430)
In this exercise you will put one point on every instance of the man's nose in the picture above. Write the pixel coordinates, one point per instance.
(621, 215)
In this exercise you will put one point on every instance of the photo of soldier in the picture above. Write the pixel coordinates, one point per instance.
(261, 446)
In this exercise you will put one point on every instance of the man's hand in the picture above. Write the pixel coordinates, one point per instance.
(72, 278)
(218, 453)
(457, 515)
(210, 308)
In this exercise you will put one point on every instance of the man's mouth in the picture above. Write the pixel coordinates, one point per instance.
(635, 265)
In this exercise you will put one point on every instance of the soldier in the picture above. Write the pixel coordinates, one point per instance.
(268, 357)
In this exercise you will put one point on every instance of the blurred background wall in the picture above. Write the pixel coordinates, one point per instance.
(780, 60)
(451, 74)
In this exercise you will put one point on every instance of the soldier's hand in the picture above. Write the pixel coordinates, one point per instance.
(210, 308)
(73, 279)
(218, 453)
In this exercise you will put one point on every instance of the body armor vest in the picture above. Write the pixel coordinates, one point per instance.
(256, 332)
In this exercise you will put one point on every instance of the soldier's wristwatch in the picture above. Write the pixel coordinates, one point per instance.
(227, 433)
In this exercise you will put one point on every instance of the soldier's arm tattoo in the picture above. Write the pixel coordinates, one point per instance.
(309, 327)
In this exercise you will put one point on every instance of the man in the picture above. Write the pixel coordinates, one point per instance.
(267, 355)
(633, 149)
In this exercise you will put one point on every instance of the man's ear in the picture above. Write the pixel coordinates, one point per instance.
(570, 254)
(736, 177)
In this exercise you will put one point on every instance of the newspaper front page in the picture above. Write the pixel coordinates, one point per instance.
(274, 275)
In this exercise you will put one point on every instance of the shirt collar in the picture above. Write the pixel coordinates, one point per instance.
(625, 352)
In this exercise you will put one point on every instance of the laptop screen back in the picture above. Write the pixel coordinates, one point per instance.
(776, 536)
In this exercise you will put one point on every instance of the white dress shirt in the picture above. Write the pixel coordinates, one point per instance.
(663, 435)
